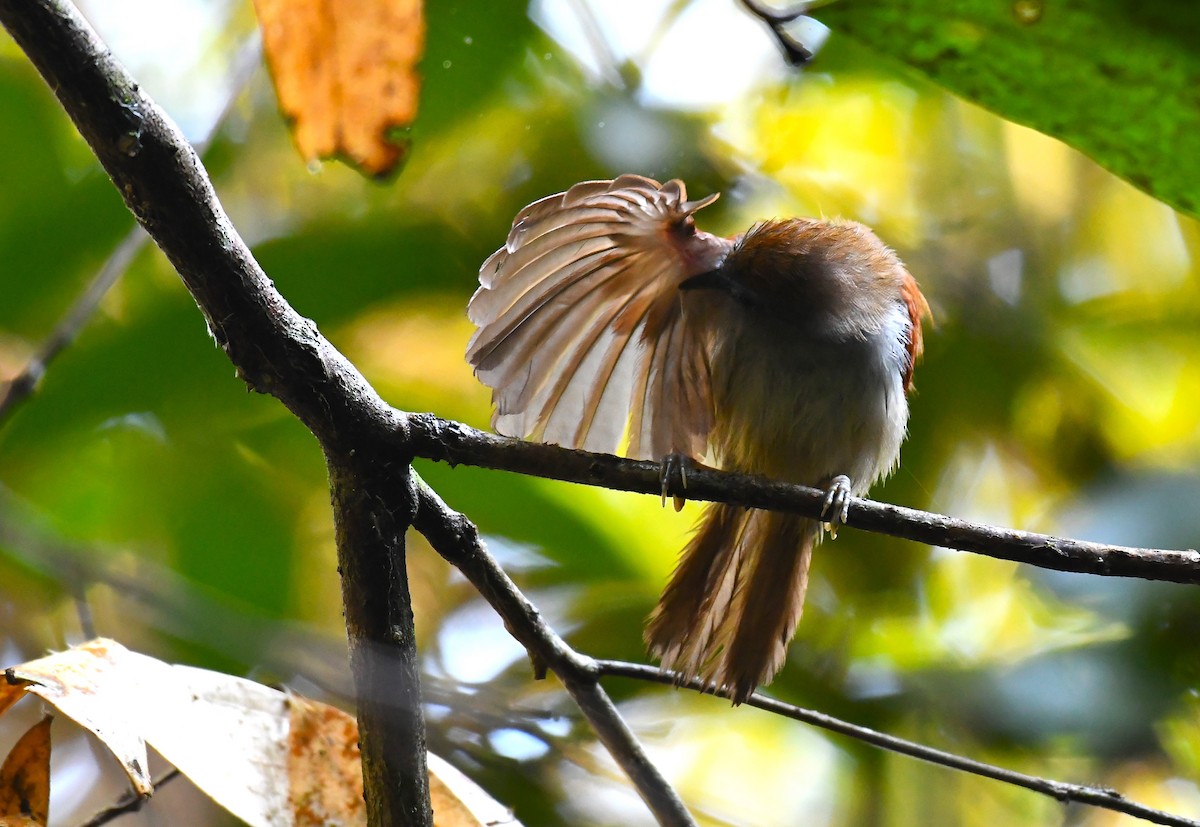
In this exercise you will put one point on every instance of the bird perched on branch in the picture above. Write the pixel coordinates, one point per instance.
(608, 322)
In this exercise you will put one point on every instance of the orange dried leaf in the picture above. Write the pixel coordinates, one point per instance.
(25, 778)
(345, 73)
(324, 768)
(326, 777)
(11, 691)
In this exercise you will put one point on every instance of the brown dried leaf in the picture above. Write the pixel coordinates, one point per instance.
(324, 769)
(326, 777)
(11, 691)
(92, 685)
(25, 778)
(345, 73)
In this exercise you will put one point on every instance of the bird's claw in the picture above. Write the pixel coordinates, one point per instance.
(837, 504)
(674, 466)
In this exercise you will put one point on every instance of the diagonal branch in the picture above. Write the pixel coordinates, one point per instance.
(777, 20)
(20, 387)
(1062, 791)
(458, 444)
(129, 803)
(457, 539)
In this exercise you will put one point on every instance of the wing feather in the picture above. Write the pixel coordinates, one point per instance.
(571, 409)
(582, 330)
(587, 268)
(562, 313)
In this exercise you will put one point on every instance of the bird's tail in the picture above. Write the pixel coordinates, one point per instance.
(732, 604)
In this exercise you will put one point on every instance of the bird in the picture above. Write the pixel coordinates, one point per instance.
(608, 322)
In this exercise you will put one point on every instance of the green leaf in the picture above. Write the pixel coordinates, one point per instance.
(1118, 81)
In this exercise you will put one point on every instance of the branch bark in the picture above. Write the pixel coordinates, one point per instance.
(276, 351)
(454, 537)
(455, 443)
(777, 20)
(457, 539)
(373, 504)
(1061, 790)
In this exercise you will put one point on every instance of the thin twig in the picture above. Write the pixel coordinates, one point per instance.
(668, 20)
(606, 59)
(1095, 796)
(83, 610)
(775, 17)
(23, 385)
(457, 539)
(777, 20)
(129, 803)
(455, 443)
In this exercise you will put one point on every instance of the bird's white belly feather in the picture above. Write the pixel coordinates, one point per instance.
(809, 412)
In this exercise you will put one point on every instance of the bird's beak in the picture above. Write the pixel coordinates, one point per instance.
(717, 280)
(712, 280)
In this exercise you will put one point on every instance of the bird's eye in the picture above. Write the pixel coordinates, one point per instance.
(685, 227)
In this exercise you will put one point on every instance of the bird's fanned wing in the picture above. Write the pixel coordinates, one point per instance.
(584, 336)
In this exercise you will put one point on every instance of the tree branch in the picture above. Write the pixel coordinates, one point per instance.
(163, 183)
(455, 443)
(369, 527)
(276, 351)
(279, 352)
(130, 802)
(1095, 796)
(777, 20)
(457, 539)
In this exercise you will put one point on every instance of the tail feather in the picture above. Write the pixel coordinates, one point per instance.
(684, 621)
(733, 603)
(767, 606)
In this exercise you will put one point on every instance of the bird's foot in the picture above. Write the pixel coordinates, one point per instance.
(674, 475)
(837, 504)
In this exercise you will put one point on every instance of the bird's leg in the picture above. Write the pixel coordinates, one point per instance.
(674, 468)
(837, 504)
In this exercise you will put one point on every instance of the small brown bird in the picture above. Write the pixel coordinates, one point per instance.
(608, 322)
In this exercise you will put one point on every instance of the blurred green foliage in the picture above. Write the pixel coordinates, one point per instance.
(1060, 392)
